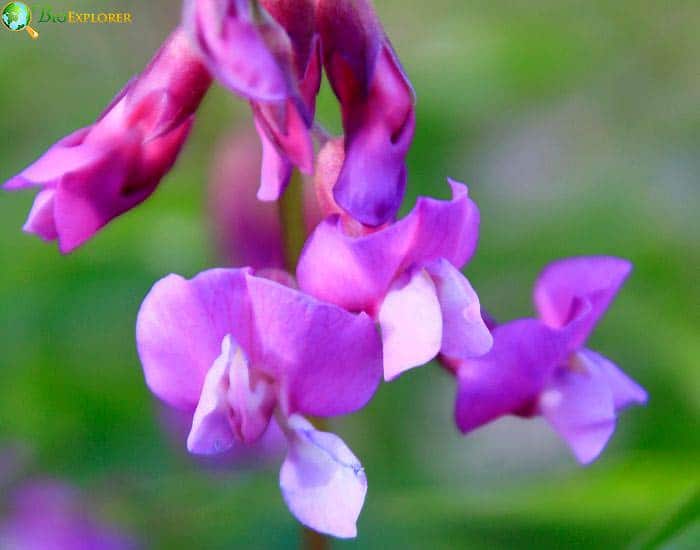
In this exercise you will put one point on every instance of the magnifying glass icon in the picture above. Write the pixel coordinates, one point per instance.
(16, 16)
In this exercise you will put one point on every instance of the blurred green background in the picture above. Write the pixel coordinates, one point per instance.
(576, 125)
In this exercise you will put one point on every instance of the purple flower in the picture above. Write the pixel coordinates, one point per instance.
(97, 173)
(406, 276)
(377, 109)
(269, 53)
(236, 349)
(48, 515)
(248, 232)
(541, 367)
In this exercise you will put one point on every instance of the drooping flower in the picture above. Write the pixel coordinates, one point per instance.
(235, 349)
(267, 52)
(47, 515)
(376, 101)
(542, 367)
(97, 173)
(406, 276)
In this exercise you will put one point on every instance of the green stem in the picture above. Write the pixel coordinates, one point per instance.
(293, 227)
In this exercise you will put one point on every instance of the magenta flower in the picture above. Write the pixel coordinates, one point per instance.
(47, 515)
(268, 54)
(97, 173)
(377, 108)
(542, 367)
(236, 349)
(406, 276)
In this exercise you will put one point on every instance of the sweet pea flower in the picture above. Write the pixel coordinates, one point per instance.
(236, 349)
(376, 101)
(47, 515)
(406, 276)
(267, 52)
(542, 367)
(99, 172)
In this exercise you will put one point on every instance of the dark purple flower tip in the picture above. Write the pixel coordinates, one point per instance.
(377, 105)
(323, 360)
(99, 172)
(329, 163)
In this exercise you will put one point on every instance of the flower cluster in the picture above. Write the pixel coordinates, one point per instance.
(255, 347)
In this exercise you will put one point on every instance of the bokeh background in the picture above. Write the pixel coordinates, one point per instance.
(576, 125)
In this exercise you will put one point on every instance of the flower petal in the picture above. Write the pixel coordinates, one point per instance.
(411, 323)
(181, 325)
(41, 220)
(377, 107)
(234, 47)
(372, 182)
(464, 333)
(275, 170)
(327, 361)
(322, 482)
(64, 156)
(211, 431)
(508, 379)
(625, 391)
(251, 399)
(104, 170)
(564, 284)
(356, 272)
(579, 405)
(233, 406)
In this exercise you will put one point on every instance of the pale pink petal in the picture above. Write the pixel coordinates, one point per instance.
(211, 431)
(322, 482)
(579, 405)
(411, 323)
(464, 333)
(625, 391)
